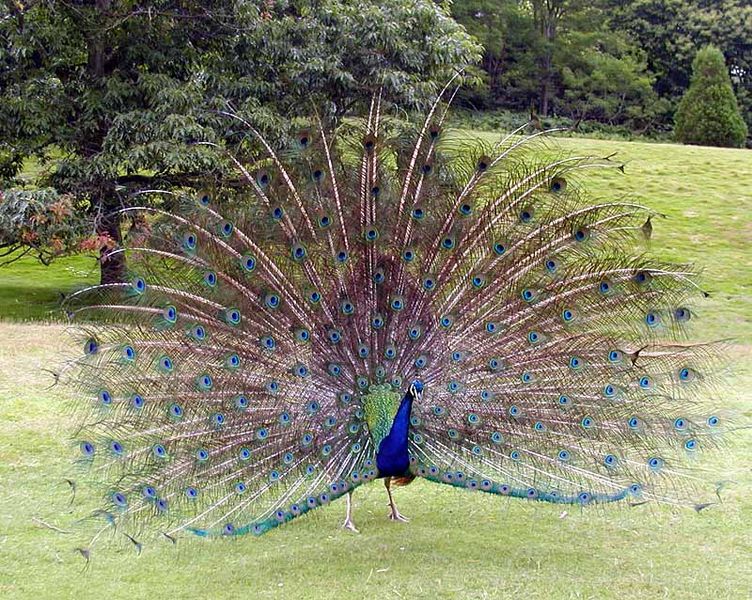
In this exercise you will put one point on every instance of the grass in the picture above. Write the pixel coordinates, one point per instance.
(706, 195)
(31, 291)
(458, 545)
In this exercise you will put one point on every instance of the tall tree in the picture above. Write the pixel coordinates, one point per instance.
(510, 45)
(113, 95)
(604, 78)
(547, 17)
(553, 54)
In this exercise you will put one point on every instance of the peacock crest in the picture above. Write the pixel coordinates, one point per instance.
(383, 301)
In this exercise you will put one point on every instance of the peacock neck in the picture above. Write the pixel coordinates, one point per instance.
(392, 457)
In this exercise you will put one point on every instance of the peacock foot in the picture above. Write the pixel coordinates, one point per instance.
(349, 525)
(395, 515)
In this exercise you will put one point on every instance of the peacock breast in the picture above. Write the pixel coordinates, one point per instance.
(380, 406)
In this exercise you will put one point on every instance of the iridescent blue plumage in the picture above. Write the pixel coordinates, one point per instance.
(392, 456)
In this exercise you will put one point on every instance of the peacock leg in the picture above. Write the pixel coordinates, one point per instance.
(348, 524)
(394, 513)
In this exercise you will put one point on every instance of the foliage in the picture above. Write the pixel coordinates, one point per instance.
(115, 96)
(623, 62)
(708, 114)
(607, 81)
(43, 223)
(510, 45)
(670, 32)
(563, 58)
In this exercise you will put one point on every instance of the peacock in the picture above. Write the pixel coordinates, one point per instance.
(387, 300)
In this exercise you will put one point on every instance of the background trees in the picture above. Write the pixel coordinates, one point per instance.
(672, 31)
(102, 97)
(113, 95)
(618, 62)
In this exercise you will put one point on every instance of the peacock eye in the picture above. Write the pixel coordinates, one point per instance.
(526, 215)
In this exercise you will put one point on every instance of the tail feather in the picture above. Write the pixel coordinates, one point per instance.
(224, 382)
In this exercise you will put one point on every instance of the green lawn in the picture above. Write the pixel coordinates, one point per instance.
(29, 290)
(458, 545)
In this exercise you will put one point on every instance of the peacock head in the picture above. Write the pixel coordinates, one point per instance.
(416, 390)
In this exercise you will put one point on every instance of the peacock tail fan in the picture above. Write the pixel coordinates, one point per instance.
(244, 374)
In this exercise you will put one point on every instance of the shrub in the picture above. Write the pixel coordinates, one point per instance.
(708, 113)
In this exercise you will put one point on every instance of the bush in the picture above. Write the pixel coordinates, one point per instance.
(708, 114)
(504, 121)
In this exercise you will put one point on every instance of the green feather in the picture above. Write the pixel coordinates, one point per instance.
(380, 405)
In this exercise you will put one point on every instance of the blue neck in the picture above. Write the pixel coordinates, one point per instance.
(392, 458)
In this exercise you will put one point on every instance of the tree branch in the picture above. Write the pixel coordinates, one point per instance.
(174, 180)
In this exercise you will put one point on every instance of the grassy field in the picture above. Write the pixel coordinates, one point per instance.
(458, 545)
(31, 291)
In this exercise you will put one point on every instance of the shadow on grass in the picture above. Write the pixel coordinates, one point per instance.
(30, 290)
(25, 302)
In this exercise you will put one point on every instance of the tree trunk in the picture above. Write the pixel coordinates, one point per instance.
(549, 31)
(546, 16)
(112, 267)
(545, 92)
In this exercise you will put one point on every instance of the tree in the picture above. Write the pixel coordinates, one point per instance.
(510, 53)
(708, 113)
(547, 17)
(605, 79)
(111, 96)
(560, 56)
